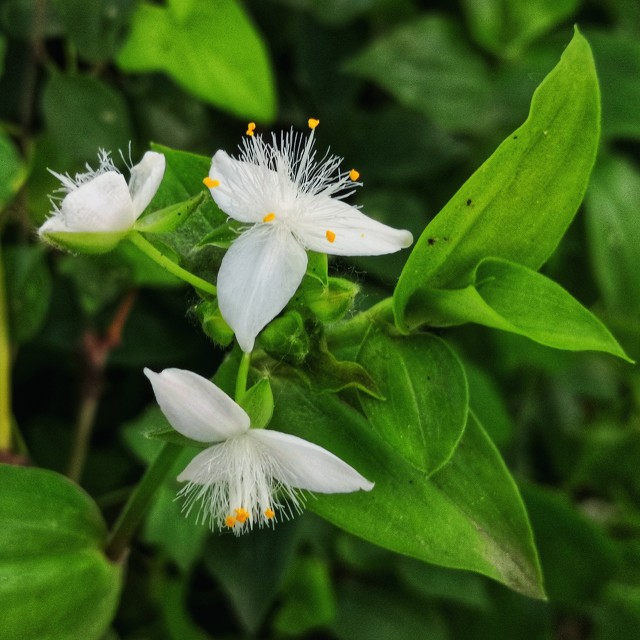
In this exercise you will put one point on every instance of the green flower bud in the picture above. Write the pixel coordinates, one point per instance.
(329, 303)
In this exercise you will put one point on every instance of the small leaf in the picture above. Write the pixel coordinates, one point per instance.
(171, 217)
(211, 49)
(520, 202)
(258, 403)
(425, 405)
(513, 298)
(222, 236)
(318, 266)
(89, 242)
(469, 515)
(166, 433)
(52, 537)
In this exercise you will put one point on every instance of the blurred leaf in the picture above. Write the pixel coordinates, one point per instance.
(519, 203)
(308, 598)
(446, 519)
(427, 66)
(12, 169)
(505, 28)
(19, 17)
(425, 400)
(172, 593)
(618, 62)
(54, 578)
(513, 298)
(211, 49)
(618, 618)
(95, 28)
(28, 290)
(251, 569)
(380, 613)
(3, 48)
(337, 12)
(576, 556)
(614, 233)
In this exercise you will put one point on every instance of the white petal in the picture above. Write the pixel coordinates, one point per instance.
(258, 276)
(353, 233)
(248, 192)
(102, 204)
(307, 466)
(196, 407)
(145, 179)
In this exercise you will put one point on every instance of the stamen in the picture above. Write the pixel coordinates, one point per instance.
(241, 515)
(251, 128)
(354, 175)
(211, 183)
(230, 521)
(269, 513)
(313, 123)
(331, 236)
(270, 217)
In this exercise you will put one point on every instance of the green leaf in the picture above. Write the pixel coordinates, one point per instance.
(171, 217)
(506, 28)
(55, 582)
(426, 400)
(520, 202)
(183, 175)
(233, 562)
(211, 49)
(12, 170)
(447, 519)
(427, 66)
(614, 233)
(514, 298)
(89, 242)
(95, 28)
(221, 236)
(29, 286)
(258, 403)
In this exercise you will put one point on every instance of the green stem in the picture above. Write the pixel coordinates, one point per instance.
(169, 265)
(243, 374)
(5, 368)
(133, 512)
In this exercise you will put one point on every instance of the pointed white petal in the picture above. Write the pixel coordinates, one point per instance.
(307, 466)
(258, 276)
(205, 468)
(333, 227)
(145, 179)
(196, 407)
(248, 192)
(102, 204)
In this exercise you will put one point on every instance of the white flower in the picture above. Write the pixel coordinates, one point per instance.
(249, 476)
(293, 203)
(100, 200)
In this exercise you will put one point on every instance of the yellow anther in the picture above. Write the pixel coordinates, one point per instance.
(211, 183)
(251, 128)
(241, 515)
(230, 521)
(270, 217)
(269, 513)
(313, 123)
(331, 236)
(354, 175)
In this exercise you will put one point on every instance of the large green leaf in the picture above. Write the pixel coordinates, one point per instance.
(613, 231)
(505, 27)
(426, 399)
(210, 48)
(519, 203)
(55, 581)
(469, 515)
(427, 66)
(508, 296)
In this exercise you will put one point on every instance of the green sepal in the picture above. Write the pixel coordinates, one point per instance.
(258, 403)
(318, 266)
(222, 236)
(212, 322)
(91, 242)
(286, 337)
(171, 217)
(166, 433)
(329, 302)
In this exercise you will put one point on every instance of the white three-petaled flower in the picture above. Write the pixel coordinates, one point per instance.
(248, 476)
(293, 203)
(101, 200)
